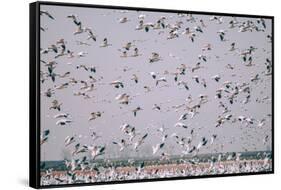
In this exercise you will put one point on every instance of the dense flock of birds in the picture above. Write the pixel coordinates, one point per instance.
(84, 155)
(112, 173)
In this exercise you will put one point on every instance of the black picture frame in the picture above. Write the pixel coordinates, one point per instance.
(34, 90)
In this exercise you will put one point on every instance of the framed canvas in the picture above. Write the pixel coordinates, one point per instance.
(127, 94)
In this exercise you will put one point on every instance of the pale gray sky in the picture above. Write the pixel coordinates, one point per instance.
(104, 22)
